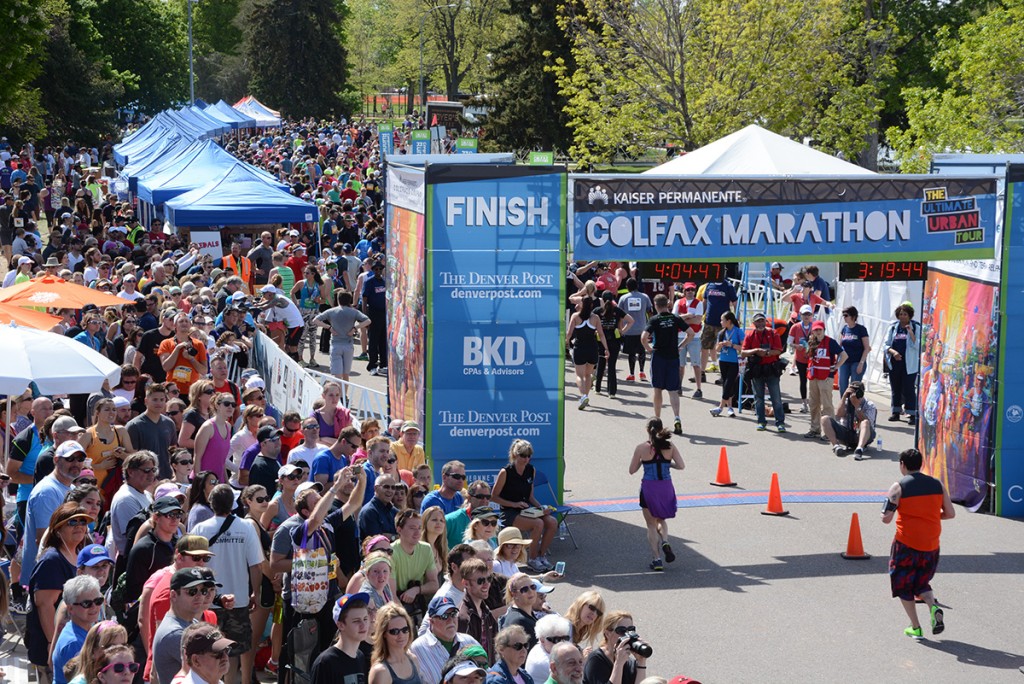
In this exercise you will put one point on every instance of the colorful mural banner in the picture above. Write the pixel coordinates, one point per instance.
(1009, 455)
(649, 218)
(419, 141)
(957, 384)
(495, 303)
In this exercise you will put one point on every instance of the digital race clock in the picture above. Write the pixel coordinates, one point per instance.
(883, 271)
(698, 272)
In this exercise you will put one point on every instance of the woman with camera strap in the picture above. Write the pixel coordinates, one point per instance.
(622, 658)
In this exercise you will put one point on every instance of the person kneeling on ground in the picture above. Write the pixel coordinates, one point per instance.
(854, 424)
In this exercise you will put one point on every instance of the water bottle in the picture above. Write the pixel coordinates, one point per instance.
(562, 531)
(878, 444)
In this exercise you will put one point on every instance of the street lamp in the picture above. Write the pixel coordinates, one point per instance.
(423, 21)
(191, 72)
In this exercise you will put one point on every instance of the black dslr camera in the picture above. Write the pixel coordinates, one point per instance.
(637, 645)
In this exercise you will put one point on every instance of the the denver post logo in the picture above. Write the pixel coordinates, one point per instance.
(958, 215)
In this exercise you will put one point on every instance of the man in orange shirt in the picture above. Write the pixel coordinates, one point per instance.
(920, 503)
(409, 453)
(183, 357)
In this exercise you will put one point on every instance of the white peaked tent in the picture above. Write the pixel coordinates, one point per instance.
(754, 151)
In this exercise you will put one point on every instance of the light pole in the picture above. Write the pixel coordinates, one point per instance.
(423, 21)
(191, 73)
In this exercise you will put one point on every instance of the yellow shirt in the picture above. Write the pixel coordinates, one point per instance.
(407, 461)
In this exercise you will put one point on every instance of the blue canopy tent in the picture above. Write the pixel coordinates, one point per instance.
(264, 116)
(201, 103)
(208, 164)
(213, 125)
(208, 128)
(157, 146)
(182, 150)
(240, 196)
(154, 130)
(185, 125)
(230, 115)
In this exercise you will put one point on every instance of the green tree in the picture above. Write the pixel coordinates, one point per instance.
(528, 111)
(221, 71)
(147, 38)
(980, 105)
(21, 52)
(297, 57)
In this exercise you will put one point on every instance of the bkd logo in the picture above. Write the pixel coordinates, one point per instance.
(493, 351)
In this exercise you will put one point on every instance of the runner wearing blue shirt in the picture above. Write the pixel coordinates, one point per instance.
(718, 299)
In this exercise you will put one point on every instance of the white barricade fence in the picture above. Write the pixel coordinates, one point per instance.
(362, 402)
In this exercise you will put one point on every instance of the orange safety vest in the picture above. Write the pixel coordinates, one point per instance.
(242, 269)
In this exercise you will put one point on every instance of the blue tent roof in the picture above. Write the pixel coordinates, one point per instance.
(182, 149)
(140, 140)
(208, 127)
(209, 163)
(155, 147)
(201, 103)
(214, 126)
(240, 196)
(232, 116)
(186, 125)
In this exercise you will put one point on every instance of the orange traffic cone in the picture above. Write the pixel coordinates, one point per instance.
(723, 479)
(774, 499)
(854, 545)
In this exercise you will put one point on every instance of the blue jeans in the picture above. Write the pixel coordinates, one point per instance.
(847, 374)
(776, 395)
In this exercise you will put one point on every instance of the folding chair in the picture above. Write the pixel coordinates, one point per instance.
(561, 512)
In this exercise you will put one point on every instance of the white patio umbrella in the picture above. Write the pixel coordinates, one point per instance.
(56, 364)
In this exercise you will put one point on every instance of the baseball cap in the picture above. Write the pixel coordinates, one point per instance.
(542, 588)
(93, 554)
(69, 449)
(238, 296)
(464, 668)
(121, 402)
(205, 640)
(818, 325)
(758, 317)
(410, 425)
(192, 577)
(303, 488)
(776, 264)
(287, 469)
(267, 432)
(806, 308)
(255, 382)
(293, 233)
(343, 603)
(24, 260)
(166, 504)
(440, 605)
(168, 489)
(193, 545)
(689, 286)
(268, 289)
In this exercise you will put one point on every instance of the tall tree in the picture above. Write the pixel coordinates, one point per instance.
(21, 52)
(528, 111)
(221, 71)
(298, 61)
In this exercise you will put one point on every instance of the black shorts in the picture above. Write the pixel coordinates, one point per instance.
(845, 435)
(294, 336)
(665, 373)
(583, 356)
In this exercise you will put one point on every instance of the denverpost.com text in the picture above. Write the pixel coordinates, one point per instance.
(463, 293)
(503, 431)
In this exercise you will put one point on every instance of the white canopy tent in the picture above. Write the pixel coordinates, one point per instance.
(754, 151)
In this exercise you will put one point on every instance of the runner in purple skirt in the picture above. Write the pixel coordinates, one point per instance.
(657, 456)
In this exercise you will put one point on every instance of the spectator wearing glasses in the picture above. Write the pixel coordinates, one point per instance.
(213, 439)
(410, 454)
(206, 654)
(475, 619)
(513, 491)
(550, 630)
(68, 530)
(521, 596)
(191, 551)
(483, 526)
(132, 498)
(154, 550)
(335, 457)
(106, 445)
(48, 495)
(310, 445)
(112, 665)
(378, 516)
(282, 503)
(449, 495)
(614, 661)
(442, 638)
(188, 587)
(391, 638)
(102, 636)
(585, 615)
(512, 647)
(264, 470)
(84, 602)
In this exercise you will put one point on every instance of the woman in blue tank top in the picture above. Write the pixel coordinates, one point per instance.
(657, 457)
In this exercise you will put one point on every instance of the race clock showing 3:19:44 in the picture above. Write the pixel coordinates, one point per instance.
(698, 272)
(883, 271)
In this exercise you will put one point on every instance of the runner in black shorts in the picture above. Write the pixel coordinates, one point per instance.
(584, 331)
(663, 330)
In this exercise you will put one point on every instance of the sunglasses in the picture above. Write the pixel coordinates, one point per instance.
(387, 487)
(87, 481)
(208, 392)
(205, 591)
(399, 630)
(481, 581)
(261, 499)
(89, 603)
(489, 523)
(596, 610)
(175, 413)
(454, 476)
(177, 515)
(75, 459)
(202, 559)
(525, 589)
(148, 471)
(354, 446)
(556, 639)
(311, 427)
(391, 460)
(526, 456)
(129, 383)
(119, 668)
(230, 404)
(77, 522)
(623, 630)
(485, 497)
(519, 647)
(292, 476)
(260, 397)
(222, 653)
(188, 463)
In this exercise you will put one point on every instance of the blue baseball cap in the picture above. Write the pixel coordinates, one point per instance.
(440, 605)
(93, 554)
(345, 601)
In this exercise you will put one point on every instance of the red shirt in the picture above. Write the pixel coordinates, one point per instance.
(762, 339)
(298, 265)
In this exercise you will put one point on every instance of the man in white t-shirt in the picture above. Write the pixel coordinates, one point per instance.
(129, 292)
(691, 310)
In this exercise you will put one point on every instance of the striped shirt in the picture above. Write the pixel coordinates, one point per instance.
(432, 655)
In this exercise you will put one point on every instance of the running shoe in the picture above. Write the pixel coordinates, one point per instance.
(858, 454)
(838, 449)
(937, 624)
(713, 368)
(579, 404)
(761, 427)
(585, 401)
(730, 412)
(678, 427)
(271, 667)
(630, 378)
(804, 408)
(361, 357)
(703, 376)
(717, 411)
(780, 428)
(643, 376)
(670, 557)
(698, 395)
(894, 417)
(914, 632)
(811, 434)
(656, 566)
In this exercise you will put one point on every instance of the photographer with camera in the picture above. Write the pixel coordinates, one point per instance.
(762, 348)
(622, 655)
(854, 424)
(183, 357)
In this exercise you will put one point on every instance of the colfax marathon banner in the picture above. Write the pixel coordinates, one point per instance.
(724, 219)
(1009, 443)
(495, 344)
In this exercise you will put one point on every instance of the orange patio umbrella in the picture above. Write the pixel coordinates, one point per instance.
(27, 318)
(53, 292)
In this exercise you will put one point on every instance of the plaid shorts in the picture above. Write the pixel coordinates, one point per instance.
(911, 571)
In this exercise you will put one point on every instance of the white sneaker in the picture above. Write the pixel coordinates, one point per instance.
(804, 408)
(730, 412)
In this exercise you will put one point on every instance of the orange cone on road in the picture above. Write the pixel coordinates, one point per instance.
(723, 478)
(854, 545)
(774, 499)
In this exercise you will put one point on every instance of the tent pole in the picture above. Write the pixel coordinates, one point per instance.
(7, 432)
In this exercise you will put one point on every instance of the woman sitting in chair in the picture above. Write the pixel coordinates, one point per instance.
(513, 491)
